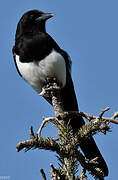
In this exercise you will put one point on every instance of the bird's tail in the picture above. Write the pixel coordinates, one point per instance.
(91, 151)
(89, 146)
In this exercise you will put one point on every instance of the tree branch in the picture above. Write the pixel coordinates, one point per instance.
(41, 143)
(67, 145)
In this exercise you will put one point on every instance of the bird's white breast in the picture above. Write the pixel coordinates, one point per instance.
(36, 72)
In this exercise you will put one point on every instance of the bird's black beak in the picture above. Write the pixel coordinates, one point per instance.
(44, 16)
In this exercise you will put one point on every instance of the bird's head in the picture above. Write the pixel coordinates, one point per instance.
(32, 21)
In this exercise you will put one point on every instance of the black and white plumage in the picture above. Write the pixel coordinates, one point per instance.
(38, 57)
(36, 72)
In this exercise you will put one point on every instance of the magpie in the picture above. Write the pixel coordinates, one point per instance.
(38, 58)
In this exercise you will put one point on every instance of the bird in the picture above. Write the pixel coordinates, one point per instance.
(39, 59)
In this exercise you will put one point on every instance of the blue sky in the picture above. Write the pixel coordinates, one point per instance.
(88, 31)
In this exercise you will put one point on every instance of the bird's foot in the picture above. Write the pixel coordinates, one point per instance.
(50, 86)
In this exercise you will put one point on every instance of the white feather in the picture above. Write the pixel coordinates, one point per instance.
(36, 72)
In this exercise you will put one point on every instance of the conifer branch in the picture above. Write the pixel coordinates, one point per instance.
(67, 145)
(40, 143)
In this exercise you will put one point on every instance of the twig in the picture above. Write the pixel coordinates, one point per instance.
(31, 133)
(41, 143)
(90, 117)
(103, 111)
(43, 174)
(115, 115)
(55, 174)
(45, 121)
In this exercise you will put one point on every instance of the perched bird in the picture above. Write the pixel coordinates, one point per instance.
(38, 58)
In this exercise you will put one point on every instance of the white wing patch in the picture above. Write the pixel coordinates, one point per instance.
(36, 72)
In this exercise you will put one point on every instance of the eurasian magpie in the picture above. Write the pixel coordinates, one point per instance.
(37, 58)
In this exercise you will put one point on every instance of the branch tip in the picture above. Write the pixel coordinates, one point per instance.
(115, 115)
(43, 174)
(31, 133)
(51, 165)
(103, 111)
